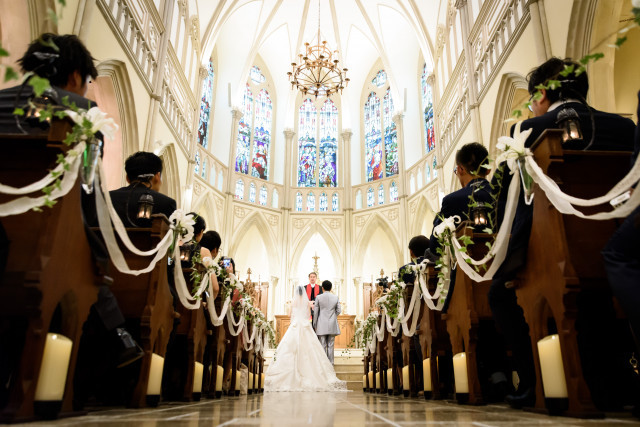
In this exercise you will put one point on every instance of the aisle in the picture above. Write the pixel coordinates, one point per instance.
(324, 409)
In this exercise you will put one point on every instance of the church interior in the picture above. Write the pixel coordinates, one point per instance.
(316, 139)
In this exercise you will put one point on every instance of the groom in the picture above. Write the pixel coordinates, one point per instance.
(325, 318)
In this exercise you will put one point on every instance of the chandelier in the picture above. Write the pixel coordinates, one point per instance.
(318, 73)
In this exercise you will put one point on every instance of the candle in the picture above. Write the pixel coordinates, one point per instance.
(53, 368)
(377, 380)
(364, 382)
(250, 387)
(390, 379)
(197, 377)
(552, 368)
(261, 380)
(405, 378)
(370, 378)
(238, 375)
(426, 374)
(460, 372)
(219, 376)
(155, 375)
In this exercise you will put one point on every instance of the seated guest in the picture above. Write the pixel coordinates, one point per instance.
(418, 245)
(613, 133)
(470, 169)
(144, 175)
(198, 231)
(209, 247)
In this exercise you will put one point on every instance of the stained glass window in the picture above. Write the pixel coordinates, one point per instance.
(256, 75)
(435, 165)
(427, 108)
(205, 107)
(252, 193)
(307, 145)
(393, 192)
(311, 202)
(240, 190)
(262, 136)
(263, 196)
(328, 144)
(244, 133)
(372, 138)
(197, 167)
(370, 200)
(204, 169)
(381, 195)
(298, 202)
(427, 173)
(324, 202)
(335, 203)
(390, 136)
(380, 79)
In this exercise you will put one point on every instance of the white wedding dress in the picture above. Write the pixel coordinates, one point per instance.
(299, 362)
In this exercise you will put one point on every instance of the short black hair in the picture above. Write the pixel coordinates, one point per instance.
(56, 57)
(200, 224)
(572, 86)
(326, 285)
(211, 240)
(418, 245)
(472, 156)
(141, 166)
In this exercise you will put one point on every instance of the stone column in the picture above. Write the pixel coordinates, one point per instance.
(187, 202)
(472, 90)
(402, 177)
(345, 203)
(236, 115)
(357, 285)
(158, 77)
(285, 231)
(81, 25)
(540, 30)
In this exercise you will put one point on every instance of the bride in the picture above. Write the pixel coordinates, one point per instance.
(299, 362)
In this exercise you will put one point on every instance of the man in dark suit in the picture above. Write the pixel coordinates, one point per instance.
(144, 175)
(612, 133)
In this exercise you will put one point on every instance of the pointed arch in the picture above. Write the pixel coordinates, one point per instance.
(170, 173)
(423, 223)
(205, 205)
(334, 246)
(267, 237)
(376, 222)
(512, 92)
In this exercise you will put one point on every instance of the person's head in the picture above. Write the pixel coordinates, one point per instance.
(212, 241)
(572, 86)
(198, 227)
(230, 267)
(418, 245)
(68, 65)
(300, 290)
(144, 167)
(469, 162)
(326, 285)
(312, 278)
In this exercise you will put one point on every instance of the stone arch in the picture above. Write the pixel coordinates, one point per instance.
(171, 173)
(264, 228)
(362, 242)
(316, 226)
(205, 205)
(423, 220)
(512, 93)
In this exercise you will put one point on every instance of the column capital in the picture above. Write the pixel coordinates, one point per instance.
(236, 113)
(346, 134)
(459, 4)
(202, 72)
(397, 118)
(289, 133)
(431, 80)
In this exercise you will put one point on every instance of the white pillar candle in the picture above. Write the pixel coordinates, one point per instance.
(426, 374)
(364, 381)
(238, 375)
(405, 378)
(552, 368)
(261, 380)
(197, 377)
(460, 372)
(219, 376)
(53, 368)
(250, 381)
(155, 375)
(378, 380)
(370, 378)
(390, 379)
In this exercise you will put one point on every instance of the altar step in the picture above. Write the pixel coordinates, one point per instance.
(347, 363)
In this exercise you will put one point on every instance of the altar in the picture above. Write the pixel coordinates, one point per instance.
(345, 321)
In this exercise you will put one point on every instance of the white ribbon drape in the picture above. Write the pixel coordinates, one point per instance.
(67, 181)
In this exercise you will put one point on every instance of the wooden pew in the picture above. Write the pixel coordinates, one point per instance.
(49, 265)
(564, 258)
(216, 344)
(469, 303)
(232, 357)
(393, 349)
(382, 363)
(409, 351)
(146, 302)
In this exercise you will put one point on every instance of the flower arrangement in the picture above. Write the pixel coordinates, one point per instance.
(365, 332)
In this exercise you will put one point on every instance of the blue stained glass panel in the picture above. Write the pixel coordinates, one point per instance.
(427, 106)
(324, 202)
(239, 189)
(372, 138)
(380, 79)
(197, 167)
(204, 169)
(393, 192)
(263, 196)
(435, 165)
(381, 195)
(252, 193)
(307, 144)
(298, 202)
(205, 107)
(311, 202)
(335, 202)
(390, 136)
(262, 136)
(256, 75)
(328, 144)
(244, 133)
(428, 173)
(370, 200)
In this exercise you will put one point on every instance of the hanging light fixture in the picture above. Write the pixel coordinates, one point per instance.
(317, 72)
(569, 121)
(145, 206)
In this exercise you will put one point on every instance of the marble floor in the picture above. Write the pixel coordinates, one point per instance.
(326, 409)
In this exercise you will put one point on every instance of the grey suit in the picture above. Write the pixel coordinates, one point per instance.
(325, 321)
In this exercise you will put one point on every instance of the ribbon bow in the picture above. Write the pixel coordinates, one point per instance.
(446, 224)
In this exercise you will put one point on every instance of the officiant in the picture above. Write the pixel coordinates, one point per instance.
(312, 288)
